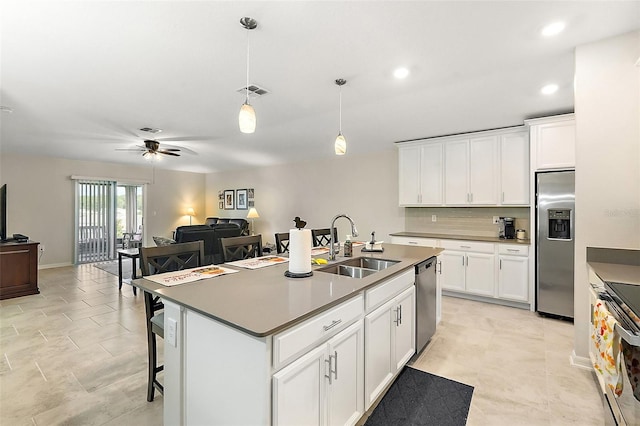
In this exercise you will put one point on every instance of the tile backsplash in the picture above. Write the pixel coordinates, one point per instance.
(474, 221)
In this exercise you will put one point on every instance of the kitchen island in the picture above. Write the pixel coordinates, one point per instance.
(245, 348)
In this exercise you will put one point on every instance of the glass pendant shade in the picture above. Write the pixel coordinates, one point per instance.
(340, 145)
(247, 118)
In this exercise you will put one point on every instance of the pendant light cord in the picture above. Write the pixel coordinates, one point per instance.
(340, 128)
(247, 86)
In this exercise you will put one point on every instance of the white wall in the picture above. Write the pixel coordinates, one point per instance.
(364, 187)
(607, 106)
(41, 199)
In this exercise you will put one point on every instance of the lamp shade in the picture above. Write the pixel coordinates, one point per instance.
(253, 213)
(247, 118)
(191, 212)
(340, 145)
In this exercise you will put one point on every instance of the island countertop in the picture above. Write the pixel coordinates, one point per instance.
(263, 301)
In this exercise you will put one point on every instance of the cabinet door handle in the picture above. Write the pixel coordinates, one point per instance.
(439, 263)
(397, 320)
(333, 324)
(335, 361)
(500, 263)
(400, 307)
(472, 197)
(462, 260)
(467, 197)
(328, 361)
(503, 196)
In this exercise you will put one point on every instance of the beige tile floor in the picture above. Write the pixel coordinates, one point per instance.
(518, 363)
(76, 354)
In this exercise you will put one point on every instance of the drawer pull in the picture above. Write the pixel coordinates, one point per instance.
(413, 242)
(465, 246)
(333, 324)
(14, 252)
(514, 250)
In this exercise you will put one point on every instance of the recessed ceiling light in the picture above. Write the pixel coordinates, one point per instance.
(400, 73)
(553, 29)
(549, 89)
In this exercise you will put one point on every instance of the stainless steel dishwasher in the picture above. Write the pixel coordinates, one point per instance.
(425, 302)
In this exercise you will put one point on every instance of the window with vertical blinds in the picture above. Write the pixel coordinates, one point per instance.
(95, 220)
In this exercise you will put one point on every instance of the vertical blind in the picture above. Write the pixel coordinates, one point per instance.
(95, 220)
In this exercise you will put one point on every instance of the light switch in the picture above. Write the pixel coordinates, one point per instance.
(170, 337)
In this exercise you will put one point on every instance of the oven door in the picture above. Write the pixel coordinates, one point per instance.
(627, 403)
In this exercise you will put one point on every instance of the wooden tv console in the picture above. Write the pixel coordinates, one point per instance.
(18, 269)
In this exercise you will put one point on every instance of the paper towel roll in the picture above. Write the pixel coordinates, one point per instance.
(300, 243)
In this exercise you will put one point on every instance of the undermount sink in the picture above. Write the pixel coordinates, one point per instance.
(358, 267)
(369, 263)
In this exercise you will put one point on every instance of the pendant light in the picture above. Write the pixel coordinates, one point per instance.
(247, 116)
(340, 145)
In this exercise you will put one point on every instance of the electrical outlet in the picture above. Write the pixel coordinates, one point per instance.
(172, 326)
(496, 219)
(434, 218)
(41, 248)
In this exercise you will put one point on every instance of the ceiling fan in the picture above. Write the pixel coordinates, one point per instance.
(151, 148)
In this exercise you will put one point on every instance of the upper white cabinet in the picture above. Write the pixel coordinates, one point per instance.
(514, 169)
(553, 142)
(484, 169)
(420, 174)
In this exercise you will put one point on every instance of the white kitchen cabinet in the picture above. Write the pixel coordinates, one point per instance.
(324, 386)
(414, 241)
(456, 177)
(514, 169)
(479, 274)
(513, 272)
(471, 171)
(453, 270)
(389, 342)
(468, 267)
(420, 174)
(553, 142)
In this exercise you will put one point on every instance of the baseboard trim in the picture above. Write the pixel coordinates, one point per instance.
(580, 361)
(54, 265)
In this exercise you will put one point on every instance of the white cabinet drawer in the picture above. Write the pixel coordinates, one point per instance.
(513, 249)
(415, 241)
(467, 246)
(386, 290)
(291, 343)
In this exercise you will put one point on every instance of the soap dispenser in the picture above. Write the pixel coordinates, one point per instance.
(348, 247)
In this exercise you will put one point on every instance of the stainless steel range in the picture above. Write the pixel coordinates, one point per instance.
(623, 303)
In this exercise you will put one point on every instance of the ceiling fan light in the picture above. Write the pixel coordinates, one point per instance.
(340, 145)
(247, 118)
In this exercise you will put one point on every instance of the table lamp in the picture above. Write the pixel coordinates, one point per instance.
(253, 213)
(190, 213)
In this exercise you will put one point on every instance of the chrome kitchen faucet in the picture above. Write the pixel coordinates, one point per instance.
(354, 232)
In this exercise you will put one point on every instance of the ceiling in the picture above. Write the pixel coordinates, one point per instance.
(82, 77)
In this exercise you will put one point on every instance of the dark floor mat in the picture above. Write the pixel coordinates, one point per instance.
(420, 398)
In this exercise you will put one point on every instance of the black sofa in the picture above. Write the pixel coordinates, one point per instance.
(243, 224)
(211, 236)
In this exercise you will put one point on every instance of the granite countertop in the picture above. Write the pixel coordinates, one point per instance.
(263, 301)
(460, 237)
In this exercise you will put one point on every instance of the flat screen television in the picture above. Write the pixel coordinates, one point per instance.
(3, 212)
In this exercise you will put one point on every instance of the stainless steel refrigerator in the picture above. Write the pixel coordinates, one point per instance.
(555, 236)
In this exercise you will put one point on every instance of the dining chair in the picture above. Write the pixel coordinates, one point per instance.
(238, 248)
(156, 260)
(322, 237)
(282, 242)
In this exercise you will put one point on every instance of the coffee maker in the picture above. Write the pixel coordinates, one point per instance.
(506, 228)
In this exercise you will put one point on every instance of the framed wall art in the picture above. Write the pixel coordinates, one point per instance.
(241, 199)
(229, 199)
(250, 201)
